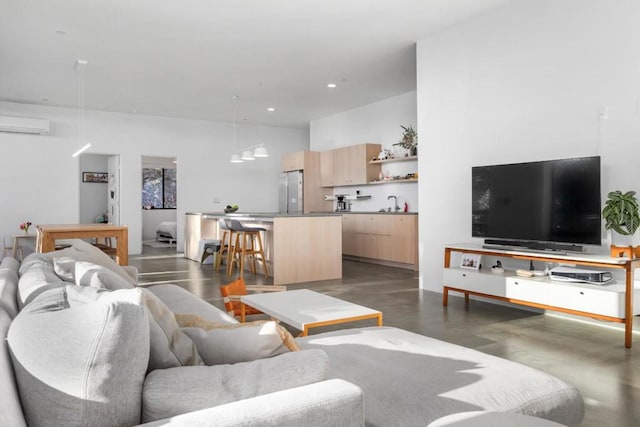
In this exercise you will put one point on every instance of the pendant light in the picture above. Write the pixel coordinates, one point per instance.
(261, 151)
(247, 155)
(235, 157)
(80, 67)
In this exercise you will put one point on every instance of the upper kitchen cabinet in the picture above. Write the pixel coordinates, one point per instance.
(326, 168)
(350, 165)
(293, 161)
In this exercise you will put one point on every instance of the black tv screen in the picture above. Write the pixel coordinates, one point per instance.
(547, 201)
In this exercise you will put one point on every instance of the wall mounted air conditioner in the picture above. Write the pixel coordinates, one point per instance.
(24, 125)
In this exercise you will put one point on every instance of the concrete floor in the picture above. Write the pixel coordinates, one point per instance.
(592, 357)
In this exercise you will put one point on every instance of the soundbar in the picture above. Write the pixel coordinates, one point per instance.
(568, 274)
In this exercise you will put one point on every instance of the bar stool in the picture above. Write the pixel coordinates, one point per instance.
(210, 247)
(244, 245)
(225, 245)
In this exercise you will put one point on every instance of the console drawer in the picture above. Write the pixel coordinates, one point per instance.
(582, 298)
(474, 281)
(536, 291)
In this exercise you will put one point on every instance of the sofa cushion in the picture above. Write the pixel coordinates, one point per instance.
(170, 346)
(445, 378)
(181, 301)
(31, 260)
(10, 263)
(81, 361)
(10, 409)
(242, 342)
(36, 279)
(9, 287)
(169, 392)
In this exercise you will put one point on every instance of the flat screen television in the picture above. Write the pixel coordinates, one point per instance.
(547, 205)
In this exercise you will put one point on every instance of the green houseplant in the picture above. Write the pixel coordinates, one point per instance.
(621, 215)
(409, 140)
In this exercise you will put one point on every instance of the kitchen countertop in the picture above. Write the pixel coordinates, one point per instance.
(262, 215)
(374, 212)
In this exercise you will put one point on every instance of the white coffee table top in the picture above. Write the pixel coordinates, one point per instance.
(305, 308)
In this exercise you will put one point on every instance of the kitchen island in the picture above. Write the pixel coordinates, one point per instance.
(298, 247)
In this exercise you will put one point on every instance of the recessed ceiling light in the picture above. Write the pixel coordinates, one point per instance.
(271, 109)
(331, 85)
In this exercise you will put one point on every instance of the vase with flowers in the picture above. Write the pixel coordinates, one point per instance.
(25, 226)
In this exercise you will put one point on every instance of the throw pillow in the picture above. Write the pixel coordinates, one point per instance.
(170, 346)
(97, 276)
(83, 251)
(191, 320)
(242, 342)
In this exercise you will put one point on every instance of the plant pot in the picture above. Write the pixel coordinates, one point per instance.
(621, 240)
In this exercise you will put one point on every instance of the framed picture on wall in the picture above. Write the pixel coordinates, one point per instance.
(470, 261)
(95, 177)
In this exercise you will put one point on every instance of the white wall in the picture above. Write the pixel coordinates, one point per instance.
(41, 178)
(377, 123)
(93, 196)
(521, 83)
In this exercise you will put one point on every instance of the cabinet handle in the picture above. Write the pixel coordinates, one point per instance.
(464, 275)
(581, 293)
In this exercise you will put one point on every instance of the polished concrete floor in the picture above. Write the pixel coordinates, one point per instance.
(592, 357)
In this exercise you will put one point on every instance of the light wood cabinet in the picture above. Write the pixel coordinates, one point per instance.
(404, 245)
(389, 238)
(326, 168)
(350, 165)
(293, 161)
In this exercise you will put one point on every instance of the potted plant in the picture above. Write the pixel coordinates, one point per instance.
(409, 140)
(622, 216)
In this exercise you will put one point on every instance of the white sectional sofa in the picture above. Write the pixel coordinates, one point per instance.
(77, 354)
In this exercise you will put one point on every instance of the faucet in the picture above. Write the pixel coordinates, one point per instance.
(396, 208)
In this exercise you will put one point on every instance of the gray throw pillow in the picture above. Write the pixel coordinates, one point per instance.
(237, 343)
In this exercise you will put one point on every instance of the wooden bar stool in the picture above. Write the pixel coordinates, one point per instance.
(244, 245)
(225, 245)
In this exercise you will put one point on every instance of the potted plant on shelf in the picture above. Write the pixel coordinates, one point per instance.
(622, 216)
(409, 140)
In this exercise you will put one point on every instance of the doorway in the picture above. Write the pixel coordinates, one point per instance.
(159, 202)
(96, 202)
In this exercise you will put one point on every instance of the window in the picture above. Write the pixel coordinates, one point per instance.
(158, 188)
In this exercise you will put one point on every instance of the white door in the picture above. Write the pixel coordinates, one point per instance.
(113, 190)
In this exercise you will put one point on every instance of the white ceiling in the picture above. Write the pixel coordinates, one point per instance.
(187, 58)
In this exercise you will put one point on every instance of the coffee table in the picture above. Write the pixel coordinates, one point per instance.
(305, 309)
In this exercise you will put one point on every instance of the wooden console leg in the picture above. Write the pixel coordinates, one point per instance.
(466, 297)
(445, 296)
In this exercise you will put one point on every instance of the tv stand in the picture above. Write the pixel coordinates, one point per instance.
(613, 303)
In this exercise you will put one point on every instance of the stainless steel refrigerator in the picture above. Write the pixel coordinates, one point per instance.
(290, 200)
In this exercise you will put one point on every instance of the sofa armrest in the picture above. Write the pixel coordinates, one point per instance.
(328, 403)
(132, 271)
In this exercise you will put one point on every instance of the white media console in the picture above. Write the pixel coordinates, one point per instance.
(613, 302)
